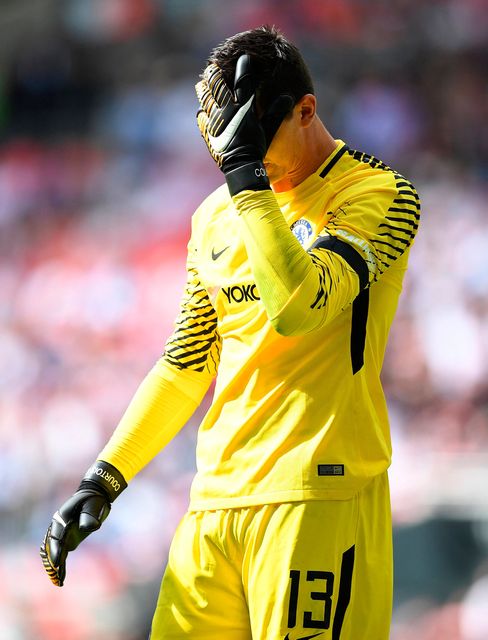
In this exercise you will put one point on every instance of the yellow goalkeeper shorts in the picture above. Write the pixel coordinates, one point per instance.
(290, 571)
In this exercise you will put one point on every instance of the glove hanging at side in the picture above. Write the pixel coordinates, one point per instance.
(79, 516)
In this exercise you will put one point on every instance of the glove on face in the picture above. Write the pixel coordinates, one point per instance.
(236, 138)
(79, 516)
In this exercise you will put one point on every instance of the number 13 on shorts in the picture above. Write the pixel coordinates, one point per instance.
(318, 586)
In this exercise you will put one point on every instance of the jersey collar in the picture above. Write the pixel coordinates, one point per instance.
(315, 180)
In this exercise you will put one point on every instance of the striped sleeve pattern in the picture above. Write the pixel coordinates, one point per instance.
(380, 223)
(329, 280)
(195, 343)
(395, 235)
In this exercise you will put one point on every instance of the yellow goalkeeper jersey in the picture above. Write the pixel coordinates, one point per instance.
(289, 301)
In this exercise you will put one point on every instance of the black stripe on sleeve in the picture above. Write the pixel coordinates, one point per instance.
(388, 244)
(187, 344)
(402, 229)
(346, 251)
(344, 595)
(334, 160)
(388, 255)
(407, 201)
(393, 237)
(404, 219)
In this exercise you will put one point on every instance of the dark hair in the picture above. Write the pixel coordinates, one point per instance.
(277, 63)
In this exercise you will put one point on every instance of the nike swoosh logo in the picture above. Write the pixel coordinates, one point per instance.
(220, 143)
(287, 637)
(217, 254)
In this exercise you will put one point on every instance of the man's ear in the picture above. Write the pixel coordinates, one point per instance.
(306, 109)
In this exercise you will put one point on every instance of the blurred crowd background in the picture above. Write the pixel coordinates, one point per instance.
(101, 167)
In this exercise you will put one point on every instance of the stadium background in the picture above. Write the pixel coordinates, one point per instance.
(101, 166)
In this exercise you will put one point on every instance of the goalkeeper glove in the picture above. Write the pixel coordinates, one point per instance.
(236, 138)
(79, 516)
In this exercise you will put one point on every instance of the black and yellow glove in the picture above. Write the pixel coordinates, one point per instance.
(236, 138)
(79, 516)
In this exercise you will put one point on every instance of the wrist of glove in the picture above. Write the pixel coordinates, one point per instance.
(79, 516)
(236, 138)
(249, 176)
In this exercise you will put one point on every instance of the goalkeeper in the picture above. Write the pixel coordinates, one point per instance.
(295, 266)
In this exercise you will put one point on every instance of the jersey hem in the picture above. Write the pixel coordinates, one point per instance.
(300, 495)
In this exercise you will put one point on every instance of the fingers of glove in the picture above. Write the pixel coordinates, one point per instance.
(70, 509)
(56, 535)
(51, 559)
(93, 513)
(203, 125)
(58, 553)
(57, 527)
(215, 80)
(66, 524)
(202, 121)
(55, 549)
(204, 95)
(62, 537)
(275, 115)
(81, 514)
(215, 122)
(244, 80)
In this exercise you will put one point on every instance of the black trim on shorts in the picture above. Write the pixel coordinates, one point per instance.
(344, 596)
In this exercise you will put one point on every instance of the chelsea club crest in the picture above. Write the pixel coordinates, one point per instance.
(302, 230)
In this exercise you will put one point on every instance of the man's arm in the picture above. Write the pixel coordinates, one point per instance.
(164, 402)
(302, 290)
(161, 406)
(175, 386)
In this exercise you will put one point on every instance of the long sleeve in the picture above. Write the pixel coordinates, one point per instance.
(303, 289)
(175, 386)
(161, 406)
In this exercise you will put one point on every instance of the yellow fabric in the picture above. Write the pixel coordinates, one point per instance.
(246, 573)
(285, 274)
(294, 416)
(285, 404)
(163, 403)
